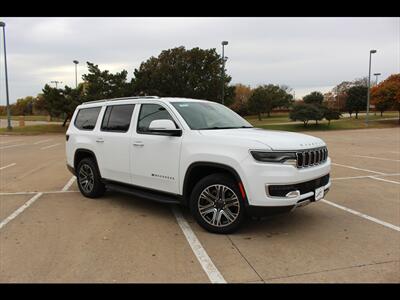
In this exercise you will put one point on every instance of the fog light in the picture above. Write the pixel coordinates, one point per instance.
(293, 194)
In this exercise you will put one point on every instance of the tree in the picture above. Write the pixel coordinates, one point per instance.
(267, 97)
(356, 99)
(314, 98)
(55, 101)
(242, 95)
(105, 85)
(331, 114)
(386, 94)
(305, 112)
(177, 72)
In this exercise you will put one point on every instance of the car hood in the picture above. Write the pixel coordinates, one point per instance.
(274, 139)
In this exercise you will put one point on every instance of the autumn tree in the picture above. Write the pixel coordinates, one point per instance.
(240, 102)
(386, 95)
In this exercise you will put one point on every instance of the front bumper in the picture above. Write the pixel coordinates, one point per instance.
(259, 176)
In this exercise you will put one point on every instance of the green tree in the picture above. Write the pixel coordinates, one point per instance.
(265, 98)
(314, 98)
(331, 114)
(105, 85)
(356, 99)
(305, 112)
(177, 72)
(54, 101)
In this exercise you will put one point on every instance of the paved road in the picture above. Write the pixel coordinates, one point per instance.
(64, 237)
(15, 123)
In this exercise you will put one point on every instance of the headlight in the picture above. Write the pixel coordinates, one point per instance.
(275, 157)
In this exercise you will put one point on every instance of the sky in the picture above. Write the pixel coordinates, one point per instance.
(306, 54)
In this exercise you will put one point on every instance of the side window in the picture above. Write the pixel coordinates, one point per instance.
(86, 118)
(117, 118)
(149, 113)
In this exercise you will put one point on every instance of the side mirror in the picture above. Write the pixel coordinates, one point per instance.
(164, 127)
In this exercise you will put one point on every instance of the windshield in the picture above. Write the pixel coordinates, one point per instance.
(209, 115)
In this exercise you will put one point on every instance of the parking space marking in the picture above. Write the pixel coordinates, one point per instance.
(42, 141)
(68, 184)
(10, 165)
(47, 147)
(385, 180)
(354, 212)
(355, 168)
(365, 176)
(373, 157)
(7, 142)
(205, 261)
(28, 193)
(20, 210)
(11, 146)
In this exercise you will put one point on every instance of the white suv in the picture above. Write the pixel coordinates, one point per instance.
(196, 153)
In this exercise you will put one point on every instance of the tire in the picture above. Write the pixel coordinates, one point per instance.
(206, 206)
(94, 188)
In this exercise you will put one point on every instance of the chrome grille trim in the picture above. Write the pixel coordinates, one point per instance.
(311, 157)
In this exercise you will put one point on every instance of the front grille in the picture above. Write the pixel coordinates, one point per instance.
(303, 187)
(311, 157)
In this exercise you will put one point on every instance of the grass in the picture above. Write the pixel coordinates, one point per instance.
(335, 125)
(34, 130)
(33, 118)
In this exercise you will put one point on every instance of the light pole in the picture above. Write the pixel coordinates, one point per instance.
(2, 24)
(376, 79)
(56, 82)
(76, 72)
(369, 84)
(224, 43)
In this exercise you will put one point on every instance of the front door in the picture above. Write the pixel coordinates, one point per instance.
(155, 158)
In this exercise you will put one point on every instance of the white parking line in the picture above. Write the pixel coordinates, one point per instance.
(7, 142)
(68, 185)
(47, 147)
(365, 176)
(385, 180)
(386, 224)
(351, 167)
(20, 210)
(42, 141)
(10, 165)
(373, 157)
(205, 261)
(11, 146)
(28, 193)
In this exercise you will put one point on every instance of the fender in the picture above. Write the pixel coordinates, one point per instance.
(211, 164)
(83, 150)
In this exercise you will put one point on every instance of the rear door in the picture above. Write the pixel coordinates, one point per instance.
(155, 157)
(113, 142)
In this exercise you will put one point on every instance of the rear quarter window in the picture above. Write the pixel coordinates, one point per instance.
(86, 118)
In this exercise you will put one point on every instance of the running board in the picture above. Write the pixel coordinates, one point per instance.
(143, 193)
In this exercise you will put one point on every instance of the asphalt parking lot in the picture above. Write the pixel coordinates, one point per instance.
(50, 233)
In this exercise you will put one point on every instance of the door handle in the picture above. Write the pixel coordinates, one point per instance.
(100, 141)
(138, 144)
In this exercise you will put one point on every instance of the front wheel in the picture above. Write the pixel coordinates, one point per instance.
(217, 205)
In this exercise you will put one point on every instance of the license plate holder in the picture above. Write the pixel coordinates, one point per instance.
(319, 193)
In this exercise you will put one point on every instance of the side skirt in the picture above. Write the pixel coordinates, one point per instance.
(141, 192)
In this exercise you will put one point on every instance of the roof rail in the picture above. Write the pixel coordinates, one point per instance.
(123, 98)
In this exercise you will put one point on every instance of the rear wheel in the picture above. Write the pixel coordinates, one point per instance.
(89, 180)
(217, 204)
